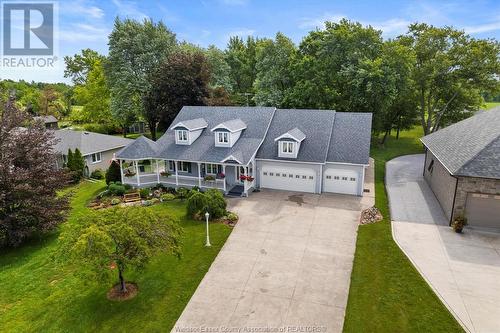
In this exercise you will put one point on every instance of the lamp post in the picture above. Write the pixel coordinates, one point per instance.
(208, 236)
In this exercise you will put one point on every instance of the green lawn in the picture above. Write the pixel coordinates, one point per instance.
(37, 295)
(387, 294)
(490, 105)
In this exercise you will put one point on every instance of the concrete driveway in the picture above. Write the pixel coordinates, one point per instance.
(287, 263)
(463, 269)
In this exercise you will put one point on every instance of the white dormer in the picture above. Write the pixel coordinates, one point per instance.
(187, 131)
(289, 143)
(227, 133)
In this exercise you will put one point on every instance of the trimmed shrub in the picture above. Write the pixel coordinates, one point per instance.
(115, 201)
(167, 197)
(182, 193)
(113, 173)
(197, 204)
(116, 189)
(233, 217)
(97, 174)
(145, 193)
(216, 203)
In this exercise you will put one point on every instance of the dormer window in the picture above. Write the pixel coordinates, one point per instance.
(289, 143)
(223, 137)
(182, 136)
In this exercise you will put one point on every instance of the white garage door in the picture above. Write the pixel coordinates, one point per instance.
(288, 179)
(343, 181)
(483, 210)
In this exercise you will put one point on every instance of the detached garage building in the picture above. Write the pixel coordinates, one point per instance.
(462, 167)
(315, 151)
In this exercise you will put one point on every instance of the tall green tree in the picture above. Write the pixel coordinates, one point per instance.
(274, 62)
(182, 79)
(451, 72)
(220, 71)
(116, 241)
(136, 49)
(78, 66)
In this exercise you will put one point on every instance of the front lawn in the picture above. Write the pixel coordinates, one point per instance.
(37, 295)
(387, 294)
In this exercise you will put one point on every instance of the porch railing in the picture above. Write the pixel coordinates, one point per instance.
(150, 179)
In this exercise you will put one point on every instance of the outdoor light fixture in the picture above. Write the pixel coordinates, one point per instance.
(208, 236)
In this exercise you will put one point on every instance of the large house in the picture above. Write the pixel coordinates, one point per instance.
(239, 149)
(462, 167)
(97, 149)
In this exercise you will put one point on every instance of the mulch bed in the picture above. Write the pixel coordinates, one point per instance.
(370, 215)
(116, 295)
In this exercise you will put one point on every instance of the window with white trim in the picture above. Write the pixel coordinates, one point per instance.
(171, 166)
(182, 136)
(222, 137)
(213, 169)
(96, 158)
(287, 147)
(184, 166)
(328, 177)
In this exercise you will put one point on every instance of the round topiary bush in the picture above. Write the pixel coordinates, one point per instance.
(167, 197)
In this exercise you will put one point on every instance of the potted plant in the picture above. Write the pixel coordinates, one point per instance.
(249, 179)
(165, 174)
(459, 223)
(221, 175)
(243, 177)
(209, 178)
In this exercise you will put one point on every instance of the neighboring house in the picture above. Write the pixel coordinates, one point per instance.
(462, 167)
(97, 149)
(49, 121)
(239, 149)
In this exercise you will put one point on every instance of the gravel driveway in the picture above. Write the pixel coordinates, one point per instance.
(463, 269)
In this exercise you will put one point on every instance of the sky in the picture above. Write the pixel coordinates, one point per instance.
(87, 23)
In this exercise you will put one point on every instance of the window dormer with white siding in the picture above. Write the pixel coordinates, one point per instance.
(289, 143)
(186, 132)
(227, 133)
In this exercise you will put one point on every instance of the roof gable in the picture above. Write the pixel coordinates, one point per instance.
(233, 125)
(191, 124)
(87, 142)
(142, 147)
(469, 147)
(294, 134)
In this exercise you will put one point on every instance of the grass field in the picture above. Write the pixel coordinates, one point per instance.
(38, 295)
(387, 294)
(490, 105)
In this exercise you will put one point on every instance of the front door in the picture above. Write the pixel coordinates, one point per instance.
(239, 171)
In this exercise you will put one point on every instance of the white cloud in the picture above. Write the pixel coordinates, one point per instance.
(81, 7)
(81, 32)
(319, 22)
(244, 32)
(129, 9)
(392, 27)
(492, 26)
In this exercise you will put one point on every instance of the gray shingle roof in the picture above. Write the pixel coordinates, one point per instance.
(470, 147)
(203, 149)
(351, 137)
(294, 133)
(233, 125)
(87, 142)
(316, 125)
(142, 147)
(191, 124)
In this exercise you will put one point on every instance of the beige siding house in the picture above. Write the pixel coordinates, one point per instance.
(97, 149)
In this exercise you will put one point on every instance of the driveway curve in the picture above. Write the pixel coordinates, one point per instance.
(462, 269)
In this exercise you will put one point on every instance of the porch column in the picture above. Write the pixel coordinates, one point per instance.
(199, 175)
(176, 174)
(137, 173)
(224, 172)
(121, 172)
(245, 182)
(158, 171)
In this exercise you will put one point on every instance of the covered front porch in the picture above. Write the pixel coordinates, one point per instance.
(173, 173)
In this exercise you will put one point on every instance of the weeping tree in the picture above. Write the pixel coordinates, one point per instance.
(29, 181)
(115, 241)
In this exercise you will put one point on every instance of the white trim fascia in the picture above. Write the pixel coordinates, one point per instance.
(189, 129)
(220, 126)
(99, 151)
(286, 161)
(439, 160)
(345, 163)
(287, 136)
(231, 157)
(138, 159)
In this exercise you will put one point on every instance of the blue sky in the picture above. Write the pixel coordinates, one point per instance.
(87, 23)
